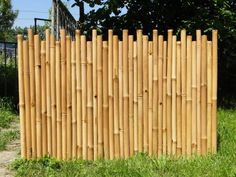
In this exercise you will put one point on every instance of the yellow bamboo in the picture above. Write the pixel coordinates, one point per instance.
(32, 91)
(105, 99)
(214, 89)
(150, 98)
(198, 38)
(78, 93)
(168, 92)
(178, 98)
(110, 94)
(21, 94)
(160, 87)
(58, 126)
(135, 90)
(209, 96)
(116, 96)
(48, 94)
(90, 100)
(164, 97)
(194, 98)
(140, 89)
(145, 93)
(155, 92)
(173, 96)
(95, 114)
(204, 95)
(43, 98)
(53, 95)
(99, 96)
(38, 95)
(84, 97)
(121, 124)
(189, 96)
(27, 98)
(73, 100)
(63, 92)
(183, 92)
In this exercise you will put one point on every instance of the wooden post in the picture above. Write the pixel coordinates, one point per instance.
(84, 97)
(183, 86)
(145, 93)
(116, 96)
(155, 92)
(32, 91)
(90, 100)
(189, 96)
(27, 99)
(168, 91)
(99, 96)
(214, 89)
(173, 96)
(43, 97)
(21, 94)
(178, 98)
(38, 95)
(105, 100)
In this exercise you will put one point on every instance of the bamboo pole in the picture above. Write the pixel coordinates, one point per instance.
(116, 96)
(63, 92)
(90, 100)
(105, 99)
(183, 86)
(73, 101)
(214, 89)
(150, 98)
(110, 93)
(125, 92)
(84, 97)
(160, 87)
(95, 114)
(48, 94)
(168, 91)
(53, 95)
(58, 133)
(164, 97)
(68, 99)
(204, 95)
(21, 95)
(194, 98)
(43, 98)
(198, 37)
(131, 95)
(78, 93)
(27, 98)
(121, 124)
(145, 93)
(32, 91)
(178, 98)
(38, 95)
(155, 92)
(135, 76)
(173, 96)
(99, 96)
(209, 96)
(140, 89)
(189, 96)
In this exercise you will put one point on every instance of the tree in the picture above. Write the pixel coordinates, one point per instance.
(7, 18)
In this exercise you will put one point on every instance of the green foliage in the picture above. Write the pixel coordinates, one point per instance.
(7, 18)
(7, 115)
(6, 137)
(221, 164)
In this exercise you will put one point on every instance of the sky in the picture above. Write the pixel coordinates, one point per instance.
(30, 9)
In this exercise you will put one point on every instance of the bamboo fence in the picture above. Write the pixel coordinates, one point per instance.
(116, 98)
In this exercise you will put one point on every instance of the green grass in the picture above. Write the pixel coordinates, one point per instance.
(6, 137)
(221, 164)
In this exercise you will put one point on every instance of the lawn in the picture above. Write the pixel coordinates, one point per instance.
(221, 164)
